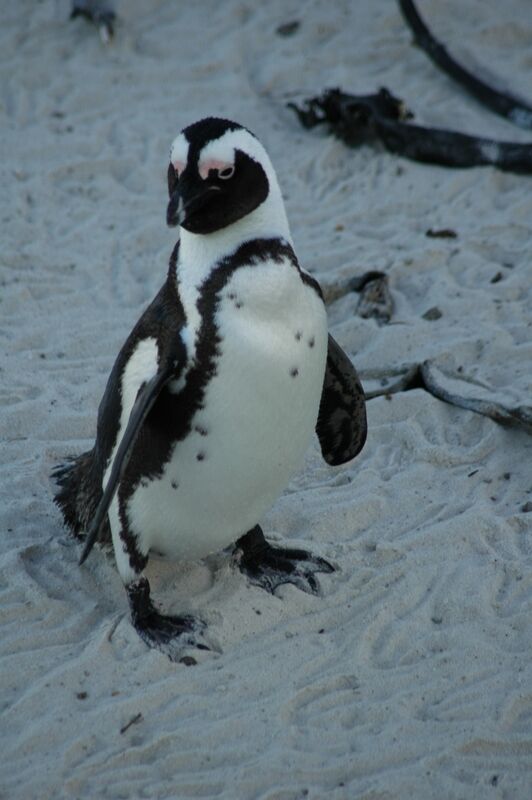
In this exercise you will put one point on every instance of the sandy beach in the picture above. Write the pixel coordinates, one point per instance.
(410, 677)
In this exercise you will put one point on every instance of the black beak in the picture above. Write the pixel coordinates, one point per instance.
(175, 213)
(182, 203)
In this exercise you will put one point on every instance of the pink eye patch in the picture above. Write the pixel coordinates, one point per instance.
(179, 166)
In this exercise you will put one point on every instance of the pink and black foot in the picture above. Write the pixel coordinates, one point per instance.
(173, 635)
(269, 567)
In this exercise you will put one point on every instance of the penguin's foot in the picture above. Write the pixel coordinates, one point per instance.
(270, 567)
(174, 636)
(98, 13)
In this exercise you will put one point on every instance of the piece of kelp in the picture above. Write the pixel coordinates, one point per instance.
(375, 300)
(460, 391)
(450, 386)
(359, 119)
(505, 104)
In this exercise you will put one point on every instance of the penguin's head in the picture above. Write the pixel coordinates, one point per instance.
(218, 174)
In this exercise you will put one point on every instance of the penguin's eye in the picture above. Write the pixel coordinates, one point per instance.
(226, 173)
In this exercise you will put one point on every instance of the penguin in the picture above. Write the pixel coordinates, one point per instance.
(215, 395)
(99, 13)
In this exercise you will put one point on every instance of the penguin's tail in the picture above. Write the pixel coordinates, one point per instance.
(78, 493)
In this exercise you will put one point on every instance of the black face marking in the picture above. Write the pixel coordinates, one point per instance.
(214, 203)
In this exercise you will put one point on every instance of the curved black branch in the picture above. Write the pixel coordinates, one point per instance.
(357, 119)
(506, 105)
(451, 389)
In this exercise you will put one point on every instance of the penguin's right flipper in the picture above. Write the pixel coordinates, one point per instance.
(341, 425)
(146, 397)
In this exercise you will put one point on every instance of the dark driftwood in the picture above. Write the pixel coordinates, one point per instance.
(358, 119)
(506, 105)
(452, 389)
(447, 388)
(375, 299)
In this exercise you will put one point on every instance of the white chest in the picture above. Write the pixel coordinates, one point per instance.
(257, 418)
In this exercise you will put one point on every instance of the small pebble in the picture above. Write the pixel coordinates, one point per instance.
(432, 313)
(188, 661)
(288, 28)
(442, 233)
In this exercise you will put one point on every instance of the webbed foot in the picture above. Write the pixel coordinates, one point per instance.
(269, 567)
(175, 636)
(98, 13)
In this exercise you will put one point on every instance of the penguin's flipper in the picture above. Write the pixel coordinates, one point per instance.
(341, 425)
(146, 397)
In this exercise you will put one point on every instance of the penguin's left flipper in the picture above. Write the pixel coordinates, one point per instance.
(270, 567)
(146, 397)
(341, 425)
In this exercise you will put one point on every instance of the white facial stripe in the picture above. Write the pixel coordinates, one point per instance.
(206, 164)
(223, 149)
(179, 151)
(220, 153)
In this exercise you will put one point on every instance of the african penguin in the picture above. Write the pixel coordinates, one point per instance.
(215, 395)
(99, 13)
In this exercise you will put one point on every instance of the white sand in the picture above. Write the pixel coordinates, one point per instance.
(411, 677)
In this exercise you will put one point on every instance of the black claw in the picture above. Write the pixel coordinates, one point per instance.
(324, 565)
(270, 567)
